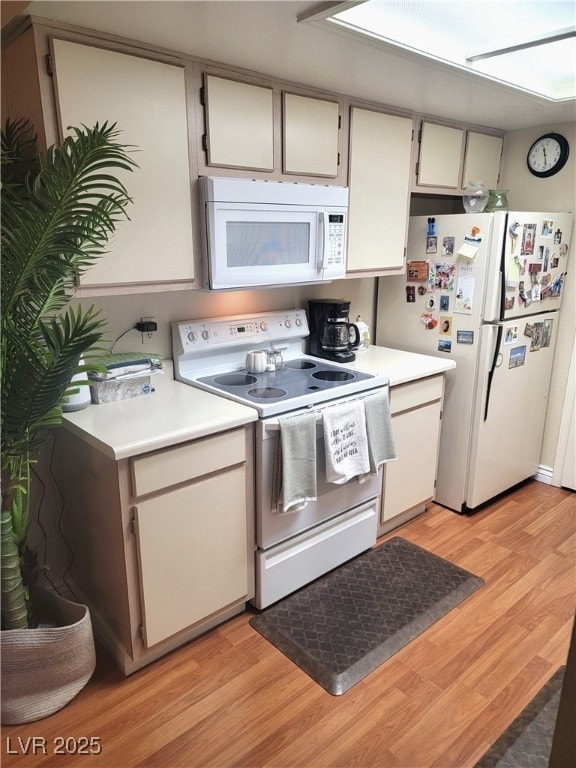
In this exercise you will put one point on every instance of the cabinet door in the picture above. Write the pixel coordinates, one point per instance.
(440, 156)
(409, 481)
(239, 124)
(483, 153)
(147, 100)
(379, 179)
(310, 131)
(193, 551)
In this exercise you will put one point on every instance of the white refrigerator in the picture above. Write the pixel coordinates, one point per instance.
(484, 289)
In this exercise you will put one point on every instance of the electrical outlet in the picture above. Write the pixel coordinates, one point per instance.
(148, 337)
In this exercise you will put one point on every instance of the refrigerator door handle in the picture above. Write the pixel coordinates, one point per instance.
(493, 368)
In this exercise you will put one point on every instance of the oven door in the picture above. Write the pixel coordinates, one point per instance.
(272, 527)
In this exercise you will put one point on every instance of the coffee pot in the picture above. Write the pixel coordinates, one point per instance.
(332, 336)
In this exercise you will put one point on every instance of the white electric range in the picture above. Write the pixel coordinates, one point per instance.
(292, 549)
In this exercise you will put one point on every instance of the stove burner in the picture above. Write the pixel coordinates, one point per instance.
(300, 364)
(266, 392)
(333, 375)
(235, 379)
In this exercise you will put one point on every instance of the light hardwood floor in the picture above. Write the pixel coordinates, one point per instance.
(230, 698)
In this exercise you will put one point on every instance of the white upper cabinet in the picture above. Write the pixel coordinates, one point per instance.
(310, 135)
(379, 179)
(239, 124)
(147, 100)
(440, 156)
(451, 157)
(482, 161)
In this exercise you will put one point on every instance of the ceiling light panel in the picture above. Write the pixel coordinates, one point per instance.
(451, 31)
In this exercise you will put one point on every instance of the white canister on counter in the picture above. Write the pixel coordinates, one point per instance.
(364, 334)
(82, 397)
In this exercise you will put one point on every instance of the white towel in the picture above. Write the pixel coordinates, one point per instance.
(381, 445)
(294, 481)
(345, 441)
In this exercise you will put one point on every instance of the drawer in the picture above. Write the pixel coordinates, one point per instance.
(416, 393)
(187, 462)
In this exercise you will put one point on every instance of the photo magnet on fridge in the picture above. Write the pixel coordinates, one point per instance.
(444, 345)
(465, 337)
(528, 235)
(517, 357)
(447, 246)
(417, 271)
(444, 303)
(511, 334)
(445, 328)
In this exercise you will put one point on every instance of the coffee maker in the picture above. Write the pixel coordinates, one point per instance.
(332, 336)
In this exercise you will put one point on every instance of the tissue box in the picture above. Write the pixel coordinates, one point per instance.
(119, 389)
(122, 376)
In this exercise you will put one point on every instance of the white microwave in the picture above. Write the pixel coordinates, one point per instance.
(271, 233)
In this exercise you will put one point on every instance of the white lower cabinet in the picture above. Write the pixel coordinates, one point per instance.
(192, 553)
(162, 543)
(409, 481)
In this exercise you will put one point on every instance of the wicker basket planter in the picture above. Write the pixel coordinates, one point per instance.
(43, 669)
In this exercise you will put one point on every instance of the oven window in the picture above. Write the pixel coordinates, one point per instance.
(267, 243)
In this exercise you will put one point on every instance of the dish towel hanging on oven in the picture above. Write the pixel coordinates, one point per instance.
(345, 441)
(294, 472)
(381, 445)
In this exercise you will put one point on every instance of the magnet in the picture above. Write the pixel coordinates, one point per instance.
(465, 337)
(431, 244)
(448, 246)
(417, 271)
(431, 227)
(557, 284)
(421, 290)
(429, 321)
(410, 294)
(431, 302)
(512, 231)
(528, 236)
(444, 303)
(445, 326)
(444, 345)
(517, 357)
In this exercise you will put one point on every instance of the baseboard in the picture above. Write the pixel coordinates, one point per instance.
(544, 474)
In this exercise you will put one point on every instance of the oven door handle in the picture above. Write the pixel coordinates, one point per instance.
(274, 426)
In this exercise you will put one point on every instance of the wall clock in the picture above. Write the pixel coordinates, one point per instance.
(548, 155)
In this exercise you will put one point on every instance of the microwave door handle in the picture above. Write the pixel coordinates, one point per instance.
(321, 240)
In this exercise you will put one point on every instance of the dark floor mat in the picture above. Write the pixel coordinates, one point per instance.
(527, 742)
(341, 627)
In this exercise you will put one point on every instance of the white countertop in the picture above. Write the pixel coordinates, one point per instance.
(175, 413)
(172, 414)
(400, 366)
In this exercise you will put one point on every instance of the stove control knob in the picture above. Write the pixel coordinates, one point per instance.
(192, 336)
(298, 322)
(288, 323)
(205, 335)
(264, 325)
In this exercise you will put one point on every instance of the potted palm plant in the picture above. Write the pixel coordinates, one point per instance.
(58, 213)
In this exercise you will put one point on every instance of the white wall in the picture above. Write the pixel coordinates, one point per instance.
(557, 193)
(123, 312)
